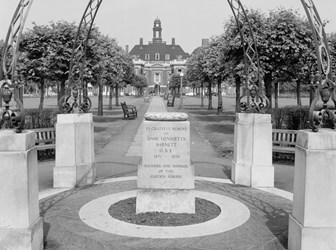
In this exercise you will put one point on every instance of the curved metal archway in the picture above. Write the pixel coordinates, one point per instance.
(253, 83)
(9, 81)
(76, 87)
(323, 82)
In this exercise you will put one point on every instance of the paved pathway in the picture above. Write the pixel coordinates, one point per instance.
(120, 158)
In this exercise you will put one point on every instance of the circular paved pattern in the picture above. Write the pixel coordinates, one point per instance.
(265, 229)
(233, 214)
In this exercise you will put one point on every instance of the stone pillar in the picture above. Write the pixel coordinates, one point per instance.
(21, 226)
(252, 162)
(75, 163)
(312, 225)
(166, 176)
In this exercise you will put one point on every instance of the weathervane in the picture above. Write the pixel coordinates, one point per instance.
(256, 101)
(323, 82)
(77, 100)
(9, 81)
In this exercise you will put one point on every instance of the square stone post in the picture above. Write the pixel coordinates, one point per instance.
(166, 176)
(252, 162)
(75, 162)
(21, 226)
(312, 225)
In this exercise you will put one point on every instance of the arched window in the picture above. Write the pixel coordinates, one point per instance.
(157, 56)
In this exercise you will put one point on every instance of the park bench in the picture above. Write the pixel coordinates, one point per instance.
(170, 101)
(45, 143)
(284, 141)
(130, 111)
(45, 138)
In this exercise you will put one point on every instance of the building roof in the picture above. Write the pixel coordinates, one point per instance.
(174, 51)
(150, 51)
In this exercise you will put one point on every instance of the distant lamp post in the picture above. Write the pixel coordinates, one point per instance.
(181, 94)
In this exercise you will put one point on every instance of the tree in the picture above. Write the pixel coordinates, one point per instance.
(140, 82)
(288, 53)
(37, 50)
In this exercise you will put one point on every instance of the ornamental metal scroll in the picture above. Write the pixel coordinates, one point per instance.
(256, 101)
(77, 100)
(323, 82)
(9, 80)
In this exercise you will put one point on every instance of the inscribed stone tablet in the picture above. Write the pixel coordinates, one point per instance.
(166, 156)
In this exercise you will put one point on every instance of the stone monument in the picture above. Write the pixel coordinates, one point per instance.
(252, 161)
(75, 162)
(166, 176)
(312, 225)
(21, 226)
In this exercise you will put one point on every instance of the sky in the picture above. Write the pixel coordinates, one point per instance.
(188, 21)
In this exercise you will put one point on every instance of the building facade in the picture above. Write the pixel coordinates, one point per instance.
(157, 60)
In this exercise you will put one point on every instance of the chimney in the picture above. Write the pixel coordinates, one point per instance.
(205, 42)
(126, 48)
(141, 41)
(173, 41)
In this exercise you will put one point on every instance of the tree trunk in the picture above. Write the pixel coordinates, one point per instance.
(100, 98)
(116, 95)
(21, 89)
(311, 95)
(276, 96)
(220, 99)
(174, 95)
(202, 95)
(268, 87)
(41, 95)
(85, 90)
(60, 90)
(210, 96)
(298, 92)
(237, 83)
(110, 98)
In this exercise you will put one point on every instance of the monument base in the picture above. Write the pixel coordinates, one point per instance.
(165, 200)
(253, 176)
(310, 238)
(25, 239)
(74, 176)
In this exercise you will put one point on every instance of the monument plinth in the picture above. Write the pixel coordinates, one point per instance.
(21, 226)
(166, 176)
(74, 163)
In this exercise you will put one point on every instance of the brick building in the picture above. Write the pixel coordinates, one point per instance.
(157, 60)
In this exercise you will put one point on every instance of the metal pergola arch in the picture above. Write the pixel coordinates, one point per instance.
(323, 82)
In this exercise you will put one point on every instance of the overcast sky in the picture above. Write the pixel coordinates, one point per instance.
(188, 21)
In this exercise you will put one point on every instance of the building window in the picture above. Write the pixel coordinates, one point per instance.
(167, 57)
(157, 56)
(157, 77)
(147, 57)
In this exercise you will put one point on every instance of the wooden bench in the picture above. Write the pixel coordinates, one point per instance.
(170, 99)
(130, 111)
(284, 140)
(45, 138)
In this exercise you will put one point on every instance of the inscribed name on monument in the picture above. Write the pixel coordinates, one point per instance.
(166, 156)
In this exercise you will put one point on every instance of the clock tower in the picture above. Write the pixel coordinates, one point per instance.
(157, 31)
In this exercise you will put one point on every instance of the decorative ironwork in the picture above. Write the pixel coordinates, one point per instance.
(9, 82)
(256, 101)
(323, 82)
(78, 99)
